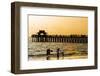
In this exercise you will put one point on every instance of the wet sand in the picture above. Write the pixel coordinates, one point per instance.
(54, 56)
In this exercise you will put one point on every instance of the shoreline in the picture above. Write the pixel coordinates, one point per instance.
(54, 57)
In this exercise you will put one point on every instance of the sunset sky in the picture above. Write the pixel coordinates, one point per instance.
(60, 25)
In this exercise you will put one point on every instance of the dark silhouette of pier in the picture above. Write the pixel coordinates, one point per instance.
(42, 36)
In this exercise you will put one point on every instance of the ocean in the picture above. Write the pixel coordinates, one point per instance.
(38, 50)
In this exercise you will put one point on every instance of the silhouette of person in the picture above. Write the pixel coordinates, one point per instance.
(62, 53)
(48, 54)
(58, 52)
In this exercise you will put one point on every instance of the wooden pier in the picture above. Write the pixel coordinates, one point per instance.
(42, 36)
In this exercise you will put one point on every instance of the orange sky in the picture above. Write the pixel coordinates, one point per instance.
(63, 25)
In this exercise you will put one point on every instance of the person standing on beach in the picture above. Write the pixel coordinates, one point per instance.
(62, 53)
(58, 52)
(48, 54)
